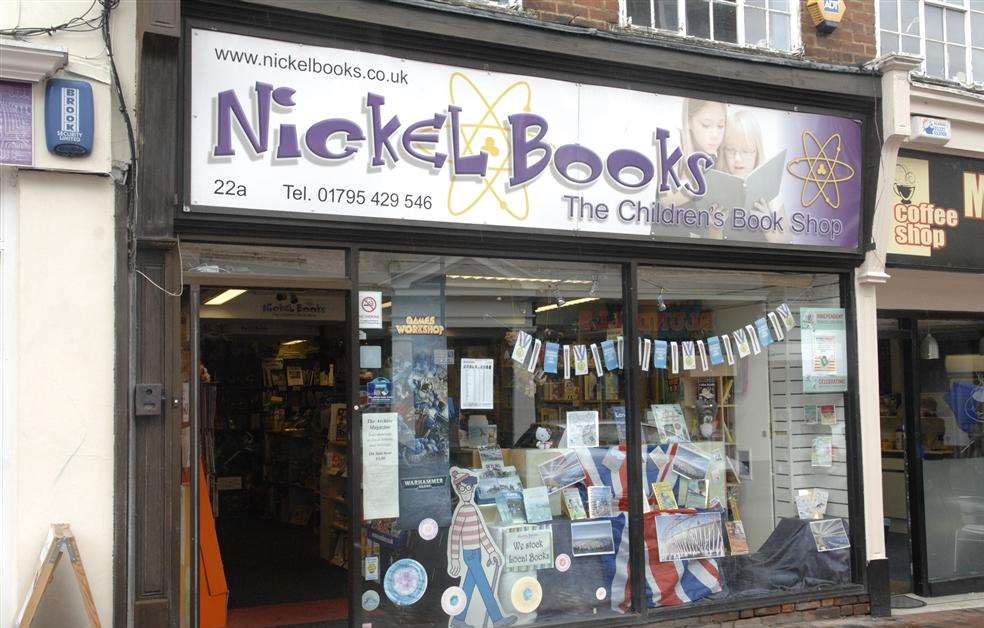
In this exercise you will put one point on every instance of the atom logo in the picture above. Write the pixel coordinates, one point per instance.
(488, 133)
(824, 170)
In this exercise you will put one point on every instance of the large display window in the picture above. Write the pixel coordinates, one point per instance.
(495, 439)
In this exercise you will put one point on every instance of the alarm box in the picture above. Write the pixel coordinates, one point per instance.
(68, 117)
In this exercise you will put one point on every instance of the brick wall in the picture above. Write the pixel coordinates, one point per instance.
(797, 613)
(853, 43)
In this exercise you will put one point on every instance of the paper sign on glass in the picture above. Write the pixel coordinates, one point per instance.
(380, 465)
(823, 349)
(610, 353)
(476, 383)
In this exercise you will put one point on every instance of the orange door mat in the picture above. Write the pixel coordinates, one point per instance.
(288, 614)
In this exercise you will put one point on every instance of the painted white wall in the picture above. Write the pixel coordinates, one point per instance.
(63, 436)
(57, 341)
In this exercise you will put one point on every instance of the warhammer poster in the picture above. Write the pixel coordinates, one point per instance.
(420, 397)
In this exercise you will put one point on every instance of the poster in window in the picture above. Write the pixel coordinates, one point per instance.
(477, 383)
(824, 349)
(380, 465)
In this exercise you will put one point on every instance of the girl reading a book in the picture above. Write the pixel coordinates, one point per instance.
(741, 153)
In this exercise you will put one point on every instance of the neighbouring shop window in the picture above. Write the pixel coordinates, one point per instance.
(493, 442)
(742, 401)
(761, 23)
(950, 441)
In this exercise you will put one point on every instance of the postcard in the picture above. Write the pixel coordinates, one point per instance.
(714, 350)
(561, 472)
(670, 423)
(510, 507)
(610, 353)
(689, 353)
(702, 354)
(550, 356)
(811, 503)
(659, 353)
(697, 494)
(537, 345)
(737, 541)
(592, 538)
(776, 327)
(521, 349)
(823, 452)
(596, 358)
(580, 359)
(691, 463)
(786, 315)
(684, 537)
(829, 534)
(600, 502)
(762, 330)
(491, 457)
(753, 338)
(573, 505)
(741, 342)
(495, 482)
(728, 352)
(663, 492)
(536, 502)
(582, 428)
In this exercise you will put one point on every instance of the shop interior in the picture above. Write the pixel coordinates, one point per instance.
(275, 448)
(936, 366)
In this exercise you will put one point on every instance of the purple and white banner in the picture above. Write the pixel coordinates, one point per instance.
(357, 136)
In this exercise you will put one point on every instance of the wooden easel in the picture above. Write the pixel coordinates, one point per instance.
(60, 540)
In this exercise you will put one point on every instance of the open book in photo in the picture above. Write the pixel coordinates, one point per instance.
(728, 190)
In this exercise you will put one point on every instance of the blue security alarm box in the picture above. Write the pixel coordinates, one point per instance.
(68, 117)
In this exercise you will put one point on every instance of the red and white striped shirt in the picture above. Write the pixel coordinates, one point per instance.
(468, 528)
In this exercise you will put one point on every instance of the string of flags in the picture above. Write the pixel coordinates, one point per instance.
(607, 355)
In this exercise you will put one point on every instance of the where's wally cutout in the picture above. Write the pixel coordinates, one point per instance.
(474, 558)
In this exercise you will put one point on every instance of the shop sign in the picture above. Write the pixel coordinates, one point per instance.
(419, 326)
(285, 127)
(938, 214)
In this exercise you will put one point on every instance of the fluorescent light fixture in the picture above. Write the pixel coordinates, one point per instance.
(292, 342)
(225, 296)
(554, 306)
(387, 304)
(578, 282)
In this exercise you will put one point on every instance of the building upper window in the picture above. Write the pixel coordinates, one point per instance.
(763, 23)
(949, 34)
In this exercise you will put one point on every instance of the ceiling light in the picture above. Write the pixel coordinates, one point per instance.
(929, 349)
(292, 342)
(387, 304)
(523, 279)
(554, 306)
(225, 296)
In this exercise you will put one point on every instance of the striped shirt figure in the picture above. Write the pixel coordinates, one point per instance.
(467, 539)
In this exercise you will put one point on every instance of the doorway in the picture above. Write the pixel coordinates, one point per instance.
(273, 424)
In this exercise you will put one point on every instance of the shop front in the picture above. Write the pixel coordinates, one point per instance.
(476, 341)
(931, 355)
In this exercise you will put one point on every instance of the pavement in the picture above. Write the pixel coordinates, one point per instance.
(952, 611)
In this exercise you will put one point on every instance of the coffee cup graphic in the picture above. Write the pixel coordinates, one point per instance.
(905, 192)
(905, 183)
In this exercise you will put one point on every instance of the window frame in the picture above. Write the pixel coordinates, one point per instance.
(964, 7)
(795, 36)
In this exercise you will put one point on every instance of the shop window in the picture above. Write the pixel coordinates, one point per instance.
(952, 40)
(495, 425)
(761, 23)
(744, 466)
(494, 449)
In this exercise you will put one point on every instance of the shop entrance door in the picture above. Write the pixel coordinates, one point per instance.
(269, 364)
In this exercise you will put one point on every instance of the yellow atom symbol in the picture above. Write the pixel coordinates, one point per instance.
(488, 133)
(822, 169)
